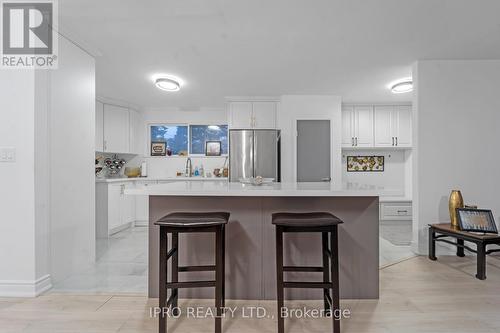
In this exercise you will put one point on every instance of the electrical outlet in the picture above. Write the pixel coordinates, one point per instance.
(7, 154)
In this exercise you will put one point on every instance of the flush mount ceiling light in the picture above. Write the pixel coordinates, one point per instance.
(402, 86)
(167, 84)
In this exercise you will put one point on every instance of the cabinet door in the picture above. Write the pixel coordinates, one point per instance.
(404, 126)
(384, 126)
(348, 126)
(99, 126)
(264, 114)
(136, 133)
(240, 114)
(142, 205)
(116, 129)
(128, 205)
(114, 206)
(363, 126)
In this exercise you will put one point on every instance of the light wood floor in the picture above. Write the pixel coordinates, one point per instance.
(417, 295)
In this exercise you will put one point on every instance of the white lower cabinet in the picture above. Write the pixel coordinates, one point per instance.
(396, 211)
(115, 211)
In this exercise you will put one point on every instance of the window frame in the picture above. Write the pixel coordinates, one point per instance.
(188, 138)
(166, 124)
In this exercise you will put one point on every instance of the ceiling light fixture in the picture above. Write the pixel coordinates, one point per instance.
(167, 84)
(402, 86)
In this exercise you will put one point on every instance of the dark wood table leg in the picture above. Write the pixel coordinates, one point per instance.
(460, 249)
(334, 249)
(481, 261)
(279, 278)
(175, 272)
(162, 325)
(326, 268)
(432, 244)
(218, 280)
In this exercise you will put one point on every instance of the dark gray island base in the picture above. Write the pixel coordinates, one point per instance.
(250, 244)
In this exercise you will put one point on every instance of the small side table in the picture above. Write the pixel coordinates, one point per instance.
(438, 233)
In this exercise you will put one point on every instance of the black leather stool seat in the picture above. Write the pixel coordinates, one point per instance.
(316, 219)
(191, 219)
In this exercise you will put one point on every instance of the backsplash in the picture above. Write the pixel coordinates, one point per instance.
(167, 167)
(394, 169)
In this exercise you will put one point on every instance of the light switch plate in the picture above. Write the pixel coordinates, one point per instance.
(7, 154)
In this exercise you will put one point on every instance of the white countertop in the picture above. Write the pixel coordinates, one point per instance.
(224, 188)
(154, 179)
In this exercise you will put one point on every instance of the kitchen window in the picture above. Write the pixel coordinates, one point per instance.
(187, 139)
(175, 137)
(200, 134)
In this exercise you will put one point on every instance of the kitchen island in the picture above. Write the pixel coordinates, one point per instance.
(250, 238)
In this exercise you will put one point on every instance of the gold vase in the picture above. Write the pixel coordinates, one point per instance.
(456, 201)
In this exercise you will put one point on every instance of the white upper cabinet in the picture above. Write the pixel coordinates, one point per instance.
(240, 115)
(363, 126)
(384, 123)
(136, 133)
(264, 114)
(376, 126)
(116, 129)
(393, 126)
(404, 127)
(357, 126)
(347, 126)
(99, 126)
(252, 114)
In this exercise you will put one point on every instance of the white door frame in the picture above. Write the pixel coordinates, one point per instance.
(294, 149)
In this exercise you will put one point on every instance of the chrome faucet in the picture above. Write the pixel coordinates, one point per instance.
(189, 167)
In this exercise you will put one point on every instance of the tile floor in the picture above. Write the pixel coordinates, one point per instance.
(416, 295)
(122, 266)
(123, 259)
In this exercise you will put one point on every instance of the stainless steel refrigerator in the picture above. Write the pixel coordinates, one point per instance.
(254, 153)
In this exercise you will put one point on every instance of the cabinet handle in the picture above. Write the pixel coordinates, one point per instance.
(393, 141)
(356, 141)
(402, 211)
(352, 141)
(396, 141)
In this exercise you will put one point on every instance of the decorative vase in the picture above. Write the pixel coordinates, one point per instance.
(456, 201)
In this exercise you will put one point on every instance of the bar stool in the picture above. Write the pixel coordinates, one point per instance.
(176, 223)
(325, 223)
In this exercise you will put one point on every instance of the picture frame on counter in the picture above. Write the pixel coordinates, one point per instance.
(476, 220)
(213, 148)
(158, 148)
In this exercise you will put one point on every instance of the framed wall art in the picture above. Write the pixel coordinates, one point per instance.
(365, 163)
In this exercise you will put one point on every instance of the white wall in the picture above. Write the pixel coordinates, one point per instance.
(168, 166)
(17, 190)
(72, 136)
(393, 176)
(293, 107)
(456, 118)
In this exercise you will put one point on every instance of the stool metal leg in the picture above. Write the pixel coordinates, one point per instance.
(326, 268)
(334, 249)
(279, 277)
(175, 272)
(162, 327)
(223, 266)
(219, 258)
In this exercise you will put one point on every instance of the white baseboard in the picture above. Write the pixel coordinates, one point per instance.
(141, 223)
(120, 228)
(25, 288)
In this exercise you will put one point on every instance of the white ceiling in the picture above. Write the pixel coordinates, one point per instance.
(351, 48)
